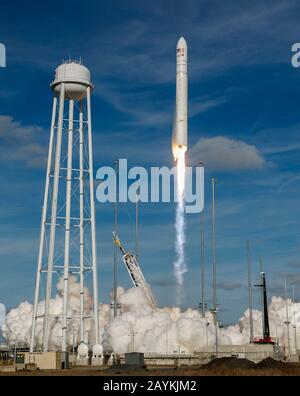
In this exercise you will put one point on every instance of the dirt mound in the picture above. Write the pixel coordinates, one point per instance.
(125, 368)
(269, 363)
(229, 362)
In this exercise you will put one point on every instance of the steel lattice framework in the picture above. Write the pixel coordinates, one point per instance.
(68, 231)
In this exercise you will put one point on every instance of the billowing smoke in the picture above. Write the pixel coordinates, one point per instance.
(19, 320)
(2, 314)
(138, 328)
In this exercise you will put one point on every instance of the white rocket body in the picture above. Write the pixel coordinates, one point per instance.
(179, 139)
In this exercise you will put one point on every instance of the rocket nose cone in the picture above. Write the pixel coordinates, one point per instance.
(181, 43)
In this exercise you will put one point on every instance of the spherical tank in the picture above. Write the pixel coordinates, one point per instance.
(97, 350)
(76, 78)
(83, 349)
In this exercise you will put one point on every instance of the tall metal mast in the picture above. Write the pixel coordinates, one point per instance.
(261, 294)
(137, 229)
(115, 247)
(287, 321)
(266, 339)
(214, 288)
(203, 304)
(214, 269)
(266, 327)
(249, 291)
(295, 322)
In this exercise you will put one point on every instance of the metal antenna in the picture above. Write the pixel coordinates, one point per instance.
(137, 227)
(261, 290)
(202, 264)
(249, 291)
(287, 322)
(295, 323)
(214, 269)
(260, 264)
(115, 247)
(214, 296)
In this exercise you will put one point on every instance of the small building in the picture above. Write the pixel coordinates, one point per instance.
(44, 360)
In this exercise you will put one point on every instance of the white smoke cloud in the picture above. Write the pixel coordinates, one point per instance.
(222, 153)
(138, 328)
(2, 314)
(179, 264)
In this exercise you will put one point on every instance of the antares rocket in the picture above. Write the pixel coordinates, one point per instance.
(179, 139)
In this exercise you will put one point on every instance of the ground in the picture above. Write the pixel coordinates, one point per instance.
(283, 369)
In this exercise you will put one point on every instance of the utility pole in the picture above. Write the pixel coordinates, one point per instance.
(137, 227)
(214, 295)
(207, 324)
(214, 269)
(261, 290)
(15, 352)
(249, 291)
(287, 322)
(295, 323)
(167, 336)
(202, 264)
(260, 264)
(115, 247)
(133, 334)
(73, 349)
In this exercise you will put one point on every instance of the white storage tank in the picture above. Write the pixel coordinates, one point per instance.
(76, 78)
(83, 350)
(97, 350)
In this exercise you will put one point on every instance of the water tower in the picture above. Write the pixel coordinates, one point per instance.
(68, 232)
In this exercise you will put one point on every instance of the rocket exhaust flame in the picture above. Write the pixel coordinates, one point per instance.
(179, 264)
(180, 157)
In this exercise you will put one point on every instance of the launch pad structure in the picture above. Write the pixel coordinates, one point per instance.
(135, 272)
(266, 338)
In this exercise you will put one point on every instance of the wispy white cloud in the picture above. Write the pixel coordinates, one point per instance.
(139, 48)
(21, 143)
(225, 154)
(201, 105)
(144, 111)
(131, 55)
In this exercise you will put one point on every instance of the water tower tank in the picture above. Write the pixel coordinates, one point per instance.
(76, 78)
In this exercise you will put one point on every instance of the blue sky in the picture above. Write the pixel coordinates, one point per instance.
(244, 122)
